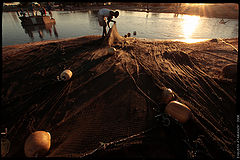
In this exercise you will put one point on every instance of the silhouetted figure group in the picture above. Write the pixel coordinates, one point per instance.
(32, 12)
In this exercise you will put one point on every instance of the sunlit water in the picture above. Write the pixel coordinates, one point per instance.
(164, 26)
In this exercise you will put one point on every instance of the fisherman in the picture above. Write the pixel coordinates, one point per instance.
(22, 13)
(43, 11)
(102, 15)
(49, 9)
(31, 9)
(38, 9)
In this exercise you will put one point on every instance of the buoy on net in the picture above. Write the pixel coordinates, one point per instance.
(166, 96)
(230, 71)
(134, 33)
(111, 50)
(129, 34)
(178, 111)
(65, 75)
(5, 144)
(37, 144)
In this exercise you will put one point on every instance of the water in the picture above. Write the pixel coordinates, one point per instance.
(163, 26)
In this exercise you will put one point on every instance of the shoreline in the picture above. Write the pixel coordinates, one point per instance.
(188, 41)
(216, 10)
(210, 11)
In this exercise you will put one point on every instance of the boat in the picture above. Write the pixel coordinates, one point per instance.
(223, 22)
(36, 20)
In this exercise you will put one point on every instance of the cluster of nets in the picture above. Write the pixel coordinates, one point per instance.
(109, 97)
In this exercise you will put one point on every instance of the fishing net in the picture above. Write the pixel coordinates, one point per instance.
(110, 103)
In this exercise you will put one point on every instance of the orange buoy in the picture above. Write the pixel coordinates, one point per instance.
(166, 96)
(5, 146)
(178, 111)
(37, 144)
(230, 71)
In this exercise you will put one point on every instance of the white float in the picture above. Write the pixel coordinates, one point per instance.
(65, 75)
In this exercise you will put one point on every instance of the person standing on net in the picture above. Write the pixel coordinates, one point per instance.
(102, 15)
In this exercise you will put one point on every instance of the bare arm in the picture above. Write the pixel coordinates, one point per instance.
(110, 20)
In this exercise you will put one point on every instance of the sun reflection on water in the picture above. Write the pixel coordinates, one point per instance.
(189, 25)
(190, 40)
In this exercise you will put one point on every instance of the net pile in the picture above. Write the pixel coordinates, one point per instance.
(111, 97)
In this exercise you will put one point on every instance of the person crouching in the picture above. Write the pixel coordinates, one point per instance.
(102, 15)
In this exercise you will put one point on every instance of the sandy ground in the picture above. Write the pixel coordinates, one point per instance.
(114, 96)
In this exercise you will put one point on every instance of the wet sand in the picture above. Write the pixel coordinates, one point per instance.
(114, 96)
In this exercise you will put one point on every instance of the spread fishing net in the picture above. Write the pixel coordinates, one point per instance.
(110, 102)
(113, 35)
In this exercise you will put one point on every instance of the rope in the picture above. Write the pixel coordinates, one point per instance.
(105, 145)
(114, 143)
(141, 89)
(228, 44)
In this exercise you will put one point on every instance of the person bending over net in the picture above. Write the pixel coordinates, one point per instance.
(102, 15)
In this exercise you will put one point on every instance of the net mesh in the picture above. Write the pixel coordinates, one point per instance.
(109, 97)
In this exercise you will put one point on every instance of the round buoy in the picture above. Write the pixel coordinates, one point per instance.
(230, 71)
(111, 50)
(37, 144)
(66, 75)
(5, 145)
(134, 33)
(178, 111)
(129, 34)
(166, 96)
(125, 36)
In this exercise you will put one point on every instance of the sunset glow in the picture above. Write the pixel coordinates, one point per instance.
(189, 25)
(190, 40)
(198, 4)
